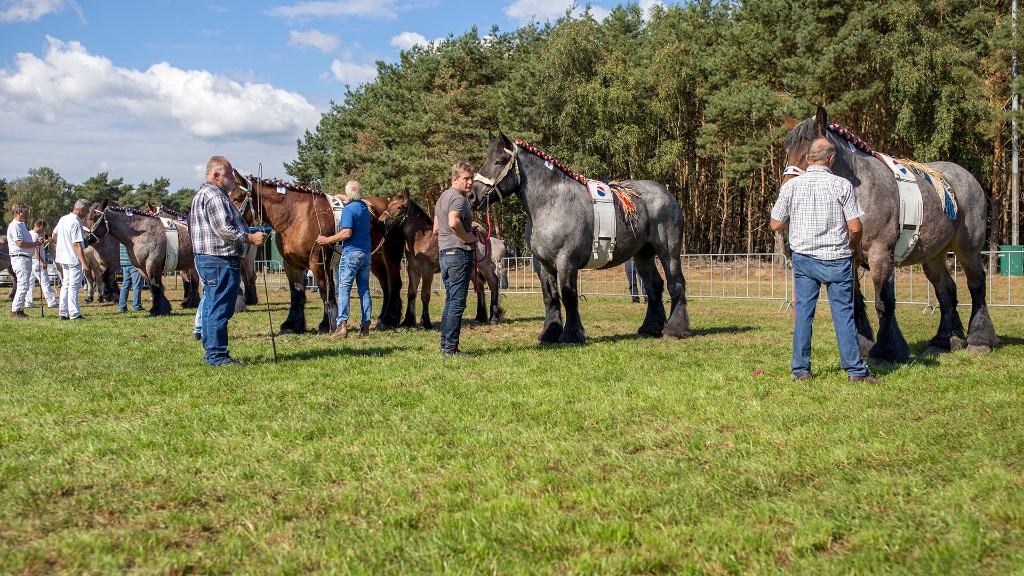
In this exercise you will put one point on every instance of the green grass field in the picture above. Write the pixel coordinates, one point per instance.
(121, 452)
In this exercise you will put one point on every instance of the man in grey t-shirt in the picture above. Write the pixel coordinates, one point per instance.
(453, 224)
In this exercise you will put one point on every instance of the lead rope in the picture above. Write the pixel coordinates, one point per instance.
(266, 291)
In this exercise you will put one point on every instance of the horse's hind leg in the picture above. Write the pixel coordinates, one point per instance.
(951, 330)
(552, 305)
(865, 334)
(426, 286)
(981, 333)
(494, 285)
(891, 345)
(329, 296)
(481, 299)
(654, 320)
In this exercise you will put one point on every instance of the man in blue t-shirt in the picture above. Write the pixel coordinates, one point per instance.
(354, 234)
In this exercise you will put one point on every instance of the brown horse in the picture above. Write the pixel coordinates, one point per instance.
(143, 236)
(298, 216)
(104, 259)
(421, 256)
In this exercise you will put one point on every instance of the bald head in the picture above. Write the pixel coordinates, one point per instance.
(821, 153)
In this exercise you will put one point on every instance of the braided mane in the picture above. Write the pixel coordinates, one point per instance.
(172, 212)
(290, 186)
(849, 136)
(624, 194)
(132, 211)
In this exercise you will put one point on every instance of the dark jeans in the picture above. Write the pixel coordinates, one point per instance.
(456, 270)
(632, 279)
(221, 276)
(808, 276)
(132, 282)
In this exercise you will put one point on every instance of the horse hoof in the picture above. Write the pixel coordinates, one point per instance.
(955, 343)
(572, 338)
(648, 333)
(676, 335)
(283, 331)
(978, 349)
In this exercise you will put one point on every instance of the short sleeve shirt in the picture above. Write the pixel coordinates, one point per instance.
(452, 201)
(356, 216)
(69, 232)
(17, 231)
(818, 204)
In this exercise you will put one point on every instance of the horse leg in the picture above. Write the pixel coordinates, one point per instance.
(494, 285)
(295, 323)
(891, 346)
(950, 335)
(426, 287)
(481, 305)
(981, 333)
(572, 333)
(380, 271)
(654, 321)
(410, 305)
(865, 334)
(329, 296)
(552, 306)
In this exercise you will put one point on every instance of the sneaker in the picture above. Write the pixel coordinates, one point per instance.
(454, 353)
(636, 300)
(30, 305)
(869, 379)
(801, 377)
(18, 315)
(54, 305)
(364, 330)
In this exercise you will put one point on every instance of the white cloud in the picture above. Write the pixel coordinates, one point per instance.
(314, 38)
(320, 9)
(407, 40)
(33, 10)
(69, 82)
(523, 11)
(352, 73)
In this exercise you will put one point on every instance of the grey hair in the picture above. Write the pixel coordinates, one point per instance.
(462, 166)
(82, 204)
(217, 164)
(821, 150)
(353, 191)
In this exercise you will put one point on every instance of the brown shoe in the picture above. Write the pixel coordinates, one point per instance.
(802, 377)
(341, 331)
(364, 330)
(19, 315)
(869, 379)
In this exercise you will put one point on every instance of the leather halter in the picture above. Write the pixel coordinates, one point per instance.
(513, 164)
(92, 230)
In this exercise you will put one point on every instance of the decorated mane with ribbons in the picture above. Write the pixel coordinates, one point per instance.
(272, 183)
(942, 188)
(171, 211)
(625, 195)
(132, 211)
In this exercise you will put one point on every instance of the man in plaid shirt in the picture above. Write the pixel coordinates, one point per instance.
(219, 235)
(823, 217)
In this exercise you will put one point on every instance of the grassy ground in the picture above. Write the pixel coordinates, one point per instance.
(121, 451)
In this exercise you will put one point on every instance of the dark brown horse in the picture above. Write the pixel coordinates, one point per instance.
(421, 257)
(298, 215)
(104, 259)
(144, 237)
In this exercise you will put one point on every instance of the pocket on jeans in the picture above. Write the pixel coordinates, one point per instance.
(209, 275)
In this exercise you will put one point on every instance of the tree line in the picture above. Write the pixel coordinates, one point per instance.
(689, 95)
(50, 196)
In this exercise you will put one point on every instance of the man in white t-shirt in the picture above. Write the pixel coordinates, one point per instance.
(21, 246)
(71, 258)
(40, 271)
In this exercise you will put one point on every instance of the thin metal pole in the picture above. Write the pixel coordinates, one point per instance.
(1015, 178)
(266, 291)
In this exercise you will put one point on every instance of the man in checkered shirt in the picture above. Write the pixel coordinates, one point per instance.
(823, 217)
(219, 235)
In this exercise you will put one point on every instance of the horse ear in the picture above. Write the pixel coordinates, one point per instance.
(790, 121)
(821, 119)
(490, 136)
(503, 138)
(103, 206)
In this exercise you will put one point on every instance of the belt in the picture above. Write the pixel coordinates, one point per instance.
(449, 251)
(20, 256)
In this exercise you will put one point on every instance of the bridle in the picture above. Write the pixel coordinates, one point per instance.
(92, 229)
(513, 165)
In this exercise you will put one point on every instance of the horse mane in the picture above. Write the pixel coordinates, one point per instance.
(549, 158)
(132, 211)
(420, 211)
(808, 131)
(289, 185)
(172, 212)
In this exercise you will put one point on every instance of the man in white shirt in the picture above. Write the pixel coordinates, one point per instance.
(40, 272)
(21, 246)
(71, 258)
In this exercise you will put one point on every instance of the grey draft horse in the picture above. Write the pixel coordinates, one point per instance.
(560, 232)
(878, 195)
(143, 236)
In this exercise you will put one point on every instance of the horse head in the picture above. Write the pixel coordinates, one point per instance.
(493, 182)
(397, 210)
(95, 223)
(241, 197)
(799, 139)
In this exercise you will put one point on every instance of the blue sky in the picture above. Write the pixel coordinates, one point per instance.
(144, 89)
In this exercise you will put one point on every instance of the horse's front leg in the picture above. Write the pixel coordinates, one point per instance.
(328, 294)
(481, 301)
(494, 285)
(410, 306)
(427, 280)
(865, 334)
(295, 323)
(891, 346)
(552, 305)
(572, 334)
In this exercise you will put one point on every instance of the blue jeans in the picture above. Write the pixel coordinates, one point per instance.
(808, 276)
(197, 326)
(132, 281)
(221, 276)
(354, 266)
(456, 270)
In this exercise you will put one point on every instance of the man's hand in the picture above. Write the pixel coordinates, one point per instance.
(257, 238)
(323, 240)
(85, 268)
